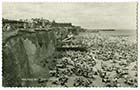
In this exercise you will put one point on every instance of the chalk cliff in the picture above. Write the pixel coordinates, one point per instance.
(28, 55)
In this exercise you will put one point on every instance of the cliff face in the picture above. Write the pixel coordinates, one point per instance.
(28, 55)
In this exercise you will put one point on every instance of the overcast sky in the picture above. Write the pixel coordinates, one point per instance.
(86, 15)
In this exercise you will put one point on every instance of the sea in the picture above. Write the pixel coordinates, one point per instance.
(130, 34)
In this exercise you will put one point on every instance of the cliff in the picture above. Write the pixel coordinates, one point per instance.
(27, 55)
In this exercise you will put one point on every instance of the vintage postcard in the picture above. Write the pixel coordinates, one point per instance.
(69, 44)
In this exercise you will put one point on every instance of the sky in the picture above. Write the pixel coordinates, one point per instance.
(87, 15)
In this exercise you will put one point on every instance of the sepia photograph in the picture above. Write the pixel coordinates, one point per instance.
(69, 44)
